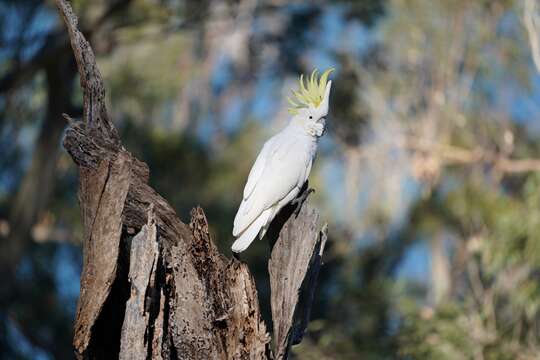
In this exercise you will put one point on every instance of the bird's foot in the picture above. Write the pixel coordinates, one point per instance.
(299, 201)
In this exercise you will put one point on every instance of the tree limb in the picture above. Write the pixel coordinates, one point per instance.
(456, 155)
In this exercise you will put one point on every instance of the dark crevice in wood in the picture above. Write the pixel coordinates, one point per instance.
(152, 306)
(105, 342)
(168, 350)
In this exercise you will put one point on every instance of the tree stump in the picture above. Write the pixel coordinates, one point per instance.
(153, 287)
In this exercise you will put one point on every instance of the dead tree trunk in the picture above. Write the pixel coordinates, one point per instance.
(154, 287)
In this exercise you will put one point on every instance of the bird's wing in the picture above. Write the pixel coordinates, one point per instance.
(279, 168)
(256, 171)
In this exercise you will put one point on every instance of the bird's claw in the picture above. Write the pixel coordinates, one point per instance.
(299, 201)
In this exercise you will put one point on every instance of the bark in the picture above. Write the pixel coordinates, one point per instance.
(153, 286)
(294, 267)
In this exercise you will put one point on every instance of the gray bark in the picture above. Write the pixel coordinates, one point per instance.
(294, 267)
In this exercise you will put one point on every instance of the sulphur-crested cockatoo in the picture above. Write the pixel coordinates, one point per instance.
(284, 163)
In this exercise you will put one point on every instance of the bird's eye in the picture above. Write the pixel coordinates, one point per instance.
(310, 117)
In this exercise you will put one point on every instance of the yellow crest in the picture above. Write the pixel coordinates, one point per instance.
(310, 93)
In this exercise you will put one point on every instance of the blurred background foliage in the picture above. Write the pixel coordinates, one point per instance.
(427, 176)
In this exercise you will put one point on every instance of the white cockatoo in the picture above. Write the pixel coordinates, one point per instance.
(284, 163)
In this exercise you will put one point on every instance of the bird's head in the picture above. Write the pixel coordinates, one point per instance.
(309, 104)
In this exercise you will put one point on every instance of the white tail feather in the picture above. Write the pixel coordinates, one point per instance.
(248, 235)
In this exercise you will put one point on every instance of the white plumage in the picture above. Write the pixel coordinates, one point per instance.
(280, 170)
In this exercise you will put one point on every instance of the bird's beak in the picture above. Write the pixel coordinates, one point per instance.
(323, 122)
(326, 99)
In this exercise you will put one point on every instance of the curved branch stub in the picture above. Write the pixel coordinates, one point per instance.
(95, 114)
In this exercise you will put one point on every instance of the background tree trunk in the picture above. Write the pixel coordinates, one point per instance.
(155, 287)
(38, 183)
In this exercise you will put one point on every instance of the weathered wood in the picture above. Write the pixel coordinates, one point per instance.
(142, 268)
(94, 110)
(102, 193)
(167, 292)
(200, 305)
(294, 267)
(232, 296)
(102, 190)
(308, 287)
